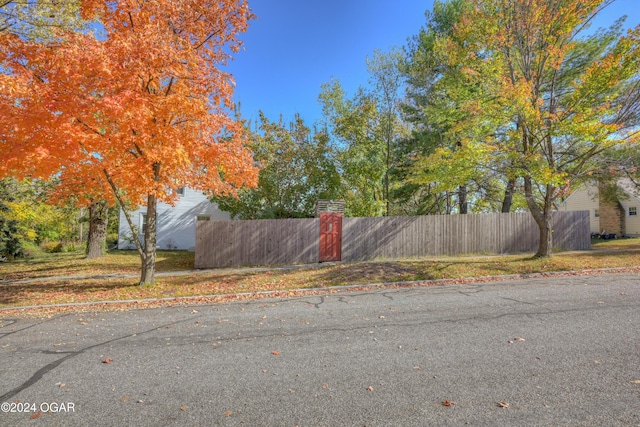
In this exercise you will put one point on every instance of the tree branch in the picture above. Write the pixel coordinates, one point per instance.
(127, 215)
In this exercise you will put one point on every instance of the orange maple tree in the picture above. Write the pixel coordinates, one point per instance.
(140, 110)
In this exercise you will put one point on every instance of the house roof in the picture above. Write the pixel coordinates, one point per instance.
(625, 184)
(629, 187)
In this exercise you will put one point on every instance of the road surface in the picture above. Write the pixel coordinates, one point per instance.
(561, 351)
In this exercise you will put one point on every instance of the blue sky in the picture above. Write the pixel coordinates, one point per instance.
(296, 45)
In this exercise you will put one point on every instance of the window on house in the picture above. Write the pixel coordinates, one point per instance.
(633, 211)
(143, 222)
(180, 191)
(596, 213)
(203, 218)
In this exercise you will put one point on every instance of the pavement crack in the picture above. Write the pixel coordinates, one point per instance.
(519, 301)
(37, 376)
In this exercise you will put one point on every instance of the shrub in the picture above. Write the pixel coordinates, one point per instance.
(52, 247)
(70, 247)
(112, 240)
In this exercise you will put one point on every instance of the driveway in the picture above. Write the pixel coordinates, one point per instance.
(548, 351)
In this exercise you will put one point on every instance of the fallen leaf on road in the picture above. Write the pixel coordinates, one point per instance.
(275, 353)
(107, 360)
(228, 413)
(518, 339)
(503, 404)
(325, 385)
(36, 415)
(370, 388)
(417, 368)
(448, 403)
(635, 382)
(184, 407)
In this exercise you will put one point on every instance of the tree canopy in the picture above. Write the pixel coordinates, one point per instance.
(297, 168)
(529, 92)
(140, 112)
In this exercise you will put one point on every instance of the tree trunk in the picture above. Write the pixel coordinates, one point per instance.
(508, 196)
(545, 248)
(148, 256)
(543, 215)
(97, 240)
(463, 206)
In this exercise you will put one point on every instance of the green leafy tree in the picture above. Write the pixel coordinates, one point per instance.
(553, 97)
(361, 153)
(443, 167)
(297, 167)
(27, 216)
(366, 129)
(11, 243)
(387, 82)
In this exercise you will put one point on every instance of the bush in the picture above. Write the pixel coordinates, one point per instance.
(11, 244)
(112, 240)
(52, 247)
(70, 247)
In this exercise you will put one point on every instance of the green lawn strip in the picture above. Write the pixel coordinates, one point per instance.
(219, 282)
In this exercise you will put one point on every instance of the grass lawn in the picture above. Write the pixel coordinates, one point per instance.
(622, 253)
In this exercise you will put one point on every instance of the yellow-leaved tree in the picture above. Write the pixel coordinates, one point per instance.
(549, 96)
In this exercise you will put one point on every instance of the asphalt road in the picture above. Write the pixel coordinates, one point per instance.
(541, 352)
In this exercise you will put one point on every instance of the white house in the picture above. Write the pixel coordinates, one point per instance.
(620, 217)
(176, 225)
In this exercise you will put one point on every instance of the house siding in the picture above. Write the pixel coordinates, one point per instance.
(585, 198)
(176, 225)
(632, 222)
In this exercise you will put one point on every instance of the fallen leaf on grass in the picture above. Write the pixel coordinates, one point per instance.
(448, 403)
(503, 404)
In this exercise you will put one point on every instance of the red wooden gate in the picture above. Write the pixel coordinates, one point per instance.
(330, 236)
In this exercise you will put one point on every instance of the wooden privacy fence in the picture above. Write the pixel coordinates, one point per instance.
(289, 241)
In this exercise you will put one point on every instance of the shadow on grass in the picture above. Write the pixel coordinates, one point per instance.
(76, 264)
(71, 291)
